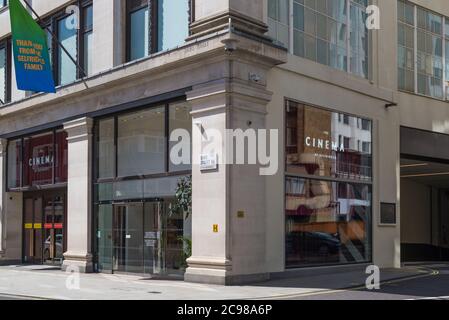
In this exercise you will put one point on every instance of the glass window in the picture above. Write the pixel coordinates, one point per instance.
(14, 162)
(3, 78)
(141, 142)
(139, 33)
(171, 35)
(180, 118)
(106, 149)
(87, 39)
(320, 33)
(38, 159)
(61, 159)
(3, 3)
(313, 146)
(430, 63)
(327, 222)
(146, 36)
(278, 20)
(67, 72)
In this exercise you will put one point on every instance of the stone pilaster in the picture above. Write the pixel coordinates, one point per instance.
(79, 194)
(228, 204)
(215, 16)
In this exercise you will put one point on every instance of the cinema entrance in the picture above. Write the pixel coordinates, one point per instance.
(44, 217)
(37, 169)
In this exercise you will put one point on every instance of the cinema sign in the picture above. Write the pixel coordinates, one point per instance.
(324, 144)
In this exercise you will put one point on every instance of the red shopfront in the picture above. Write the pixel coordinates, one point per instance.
(37, 167)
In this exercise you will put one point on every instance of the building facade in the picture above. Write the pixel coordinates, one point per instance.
(356, 116)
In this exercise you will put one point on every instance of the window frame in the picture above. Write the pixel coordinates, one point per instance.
(153, 21)
(6, 45)
(315, 178)
(348, 51)
(445, 55)
(116, 178)
(51, 22)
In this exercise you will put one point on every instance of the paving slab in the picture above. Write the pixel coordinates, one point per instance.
(51, 283)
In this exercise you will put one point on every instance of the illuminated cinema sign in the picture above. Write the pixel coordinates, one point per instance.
(324, 144)
(31, 58)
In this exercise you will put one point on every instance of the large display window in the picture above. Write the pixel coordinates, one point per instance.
(37, 160)
(328, 187)
(135, 184)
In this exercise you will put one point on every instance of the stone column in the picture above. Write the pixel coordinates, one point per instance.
(228, 202)
(3, 172)
(79, 194)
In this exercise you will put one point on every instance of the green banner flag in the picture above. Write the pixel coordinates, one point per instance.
(31, 58)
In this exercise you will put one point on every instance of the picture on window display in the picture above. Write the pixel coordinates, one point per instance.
(327, 221)
(328, 144)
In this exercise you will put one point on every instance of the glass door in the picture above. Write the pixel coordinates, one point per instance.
(127, 238)
(53, 229)
(32, 230)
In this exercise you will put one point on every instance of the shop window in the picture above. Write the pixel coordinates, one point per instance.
(39, 160)
(151, 28)
(327, 221)
(137, 144)
(180, 118)
(106, 148)
(141, 143)
(3, 3)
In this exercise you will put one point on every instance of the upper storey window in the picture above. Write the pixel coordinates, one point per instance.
(156, 25)
(330, 32)
(423, 51)
(5, 71)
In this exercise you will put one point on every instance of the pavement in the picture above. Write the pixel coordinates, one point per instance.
(44, 282)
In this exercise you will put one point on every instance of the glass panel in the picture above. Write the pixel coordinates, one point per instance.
(104, 237)
(139, 42)
(38, 232)
(180, 119)
(106, 149)
(128, 190)
(28, 238)
(327, 222)
(313, 146)
(61, 160)
(128, 238)
(67, 37)
(141, 142)
(49, 234)
(38, 160)
(88, 45)
(14, 161)
(172, 34)
(278, 20)
(2, 75)
(160, 187)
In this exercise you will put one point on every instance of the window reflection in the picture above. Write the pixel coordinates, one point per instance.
(141, 142)
(327, 222)
(67, 37)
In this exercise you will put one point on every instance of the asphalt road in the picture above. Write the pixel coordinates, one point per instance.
(434, 286)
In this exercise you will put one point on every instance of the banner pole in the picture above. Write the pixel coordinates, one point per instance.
(60, 44)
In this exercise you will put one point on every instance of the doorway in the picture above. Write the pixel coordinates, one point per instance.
(44, 216)
(140, 238)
